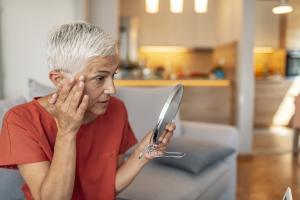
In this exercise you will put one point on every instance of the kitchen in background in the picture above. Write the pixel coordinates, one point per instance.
(180, 45)
(170, 45)
(192, 46)
(276, 66)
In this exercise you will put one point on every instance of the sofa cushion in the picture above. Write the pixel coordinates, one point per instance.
(199, 155)
(37, 89)
(10, 184)
(144, 106)
(5, 105)
(162, 182)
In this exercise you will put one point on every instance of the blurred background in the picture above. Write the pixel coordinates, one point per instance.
(252, 52)
(238, 51)
(239, 59)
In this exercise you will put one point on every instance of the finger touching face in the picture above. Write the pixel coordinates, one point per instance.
(99, 82)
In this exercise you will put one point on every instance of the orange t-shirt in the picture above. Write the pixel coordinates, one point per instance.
(28, 135)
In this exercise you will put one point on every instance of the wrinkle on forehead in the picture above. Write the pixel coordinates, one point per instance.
(109, 63)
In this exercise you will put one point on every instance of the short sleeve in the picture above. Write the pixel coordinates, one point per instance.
(128, 137)
(18, 144)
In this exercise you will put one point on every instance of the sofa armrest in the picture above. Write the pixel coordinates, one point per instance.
(215, 133)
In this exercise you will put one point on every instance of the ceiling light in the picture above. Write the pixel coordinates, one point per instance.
(176, 6)
(152, 6)
(200, 6)
(283, 8)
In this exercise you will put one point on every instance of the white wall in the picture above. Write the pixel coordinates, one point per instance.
(105, 13)
(236, 22)
(24, 29)
(245, 76)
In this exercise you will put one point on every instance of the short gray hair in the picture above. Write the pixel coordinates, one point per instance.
(70, 45)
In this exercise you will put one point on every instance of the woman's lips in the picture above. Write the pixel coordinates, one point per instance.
(103, 102)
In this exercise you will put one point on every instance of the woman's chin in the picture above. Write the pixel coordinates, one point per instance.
(97, 111)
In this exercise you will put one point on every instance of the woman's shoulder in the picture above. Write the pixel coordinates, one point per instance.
(24, 111)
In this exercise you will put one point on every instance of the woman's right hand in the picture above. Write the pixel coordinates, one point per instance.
(68, 107)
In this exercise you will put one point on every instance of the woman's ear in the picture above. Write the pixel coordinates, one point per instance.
(56, 78)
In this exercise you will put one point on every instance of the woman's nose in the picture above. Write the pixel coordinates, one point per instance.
(110, 88)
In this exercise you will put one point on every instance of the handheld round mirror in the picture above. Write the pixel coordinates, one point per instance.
(168, 112)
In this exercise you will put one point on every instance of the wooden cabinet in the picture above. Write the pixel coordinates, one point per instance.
(293, 26)
(274, 102)
(188, 29)
(207, 104)
(203, 100)
(266, 25)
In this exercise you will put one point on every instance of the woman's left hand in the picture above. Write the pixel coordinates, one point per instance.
(161, 147)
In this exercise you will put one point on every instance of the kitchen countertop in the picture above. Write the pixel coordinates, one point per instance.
(279, 80)
(191, 83)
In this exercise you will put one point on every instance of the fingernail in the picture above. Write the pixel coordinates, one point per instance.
(81, 78)
(72, 79)
(81, 84)
(52, 99)
(54, 95)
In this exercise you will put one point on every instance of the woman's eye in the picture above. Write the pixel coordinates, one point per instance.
(99, 78)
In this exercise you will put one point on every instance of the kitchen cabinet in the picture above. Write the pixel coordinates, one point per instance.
(203, 100)
(192, 29)
(274, 102)
(266, 25)
(293, 26)
(188, 29)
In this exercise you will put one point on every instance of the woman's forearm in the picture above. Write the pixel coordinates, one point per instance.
(129, 170)
(59, 182)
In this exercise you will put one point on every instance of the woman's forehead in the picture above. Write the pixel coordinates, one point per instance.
(108, 63)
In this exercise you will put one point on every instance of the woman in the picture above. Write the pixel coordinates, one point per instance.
(71, 144)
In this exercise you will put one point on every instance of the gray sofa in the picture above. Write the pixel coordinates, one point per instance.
(163, 182)
(157, 181)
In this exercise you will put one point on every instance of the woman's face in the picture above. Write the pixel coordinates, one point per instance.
(99, 82)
